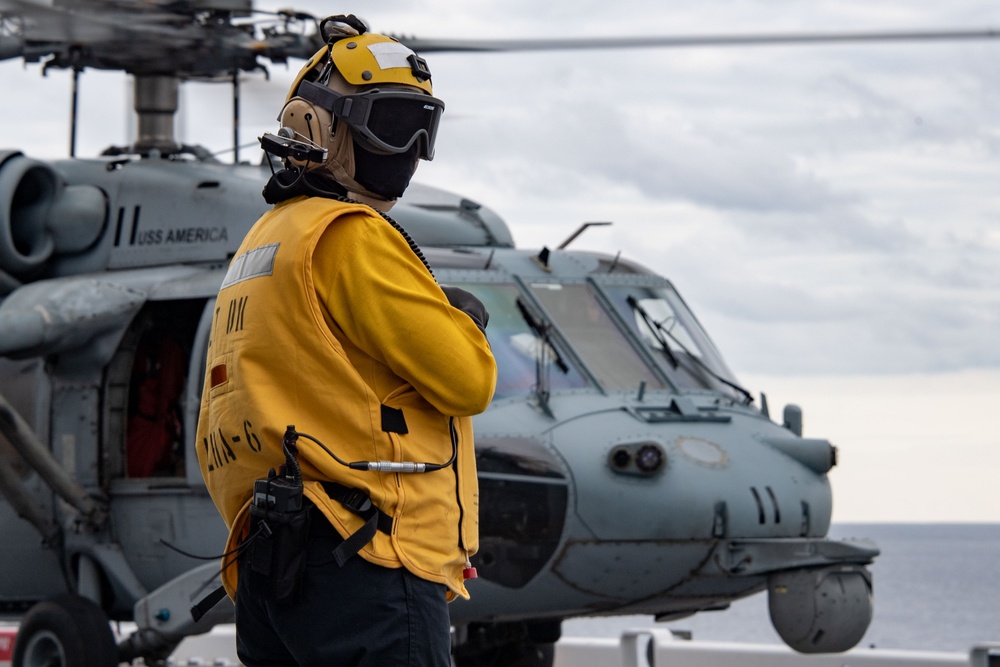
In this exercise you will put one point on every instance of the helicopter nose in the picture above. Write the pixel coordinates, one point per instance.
(660, 479)
(651, 496)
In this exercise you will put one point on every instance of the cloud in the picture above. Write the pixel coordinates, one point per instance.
(822, 209)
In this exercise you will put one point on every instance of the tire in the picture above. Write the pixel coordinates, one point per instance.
(66, 631)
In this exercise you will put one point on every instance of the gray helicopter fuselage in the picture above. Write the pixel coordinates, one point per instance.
(622, 469)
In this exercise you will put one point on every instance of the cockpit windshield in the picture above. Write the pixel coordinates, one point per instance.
(600, 343)
(580, 326)
(682, 348)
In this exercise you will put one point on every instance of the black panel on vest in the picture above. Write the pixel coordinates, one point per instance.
(393, 421)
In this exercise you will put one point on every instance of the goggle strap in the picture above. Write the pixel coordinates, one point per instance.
(339, 105)
(318, 95)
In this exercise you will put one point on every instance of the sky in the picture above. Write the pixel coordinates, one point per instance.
(830, 212)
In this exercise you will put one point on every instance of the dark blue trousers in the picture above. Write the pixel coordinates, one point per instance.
(358, 615)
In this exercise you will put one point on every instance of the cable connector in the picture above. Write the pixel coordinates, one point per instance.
(381, 466)
(389, 466)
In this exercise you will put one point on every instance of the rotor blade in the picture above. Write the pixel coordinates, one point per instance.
(143, 37)
(56, 23)
(549, 44)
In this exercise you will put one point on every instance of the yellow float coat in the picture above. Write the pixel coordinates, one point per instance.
(325, 315)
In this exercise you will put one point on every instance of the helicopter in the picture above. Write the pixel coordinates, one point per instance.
(623, 469)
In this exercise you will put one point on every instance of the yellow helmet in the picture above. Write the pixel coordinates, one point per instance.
(374, 87)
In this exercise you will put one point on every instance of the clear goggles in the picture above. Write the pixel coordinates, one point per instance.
(387, 120)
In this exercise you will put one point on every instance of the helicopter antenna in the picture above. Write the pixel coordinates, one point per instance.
(580, 230)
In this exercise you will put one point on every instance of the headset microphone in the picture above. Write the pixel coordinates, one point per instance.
(284, 145)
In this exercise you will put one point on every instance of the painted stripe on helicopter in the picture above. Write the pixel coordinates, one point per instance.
(135, 224)
(187, 235)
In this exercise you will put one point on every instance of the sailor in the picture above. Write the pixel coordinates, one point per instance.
(335, 354)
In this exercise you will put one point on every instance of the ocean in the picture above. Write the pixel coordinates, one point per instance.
(936, 588)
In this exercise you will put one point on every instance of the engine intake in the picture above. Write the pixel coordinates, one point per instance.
(42, 217)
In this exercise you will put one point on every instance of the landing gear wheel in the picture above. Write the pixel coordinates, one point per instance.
(522, 644)
(66, 631)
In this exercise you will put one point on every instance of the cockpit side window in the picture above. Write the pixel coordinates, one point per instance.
(520, 354)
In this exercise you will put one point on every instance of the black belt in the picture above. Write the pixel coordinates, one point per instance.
(358, 502)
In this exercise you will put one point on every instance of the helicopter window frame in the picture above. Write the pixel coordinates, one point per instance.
(606, 380)
(701, 338)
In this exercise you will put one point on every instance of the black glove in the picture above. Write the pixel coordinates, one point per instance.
(469, 304)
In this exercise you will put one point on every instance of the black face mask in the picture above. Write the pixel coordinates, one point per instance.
(385, 175)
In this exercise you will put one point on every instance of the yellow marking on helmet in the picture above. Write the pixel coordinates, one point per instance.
(372, 59)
